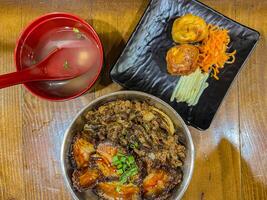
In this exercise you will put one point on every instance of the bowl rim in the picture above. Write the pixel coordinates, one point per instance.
(44, 18)
(184, 126)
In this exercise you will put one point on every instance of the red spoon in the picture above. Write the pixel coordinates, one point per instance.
(65, 62)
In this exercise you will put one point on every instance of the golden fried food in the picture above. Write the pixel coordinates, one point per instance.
(189, 29)
(155, 182)
(85, 178)
(82, 149)
(107, 150)
(104, 166)
(114, 190)
(182, 59)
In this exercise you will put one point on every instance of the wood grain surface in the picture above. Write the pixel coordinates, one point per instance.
(231, 156)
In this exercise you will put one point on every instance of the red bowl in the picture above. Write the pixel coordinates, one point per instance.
(57, 90)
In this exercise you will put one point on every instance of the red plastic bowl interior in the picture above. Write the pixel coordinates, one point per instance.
(57, 90)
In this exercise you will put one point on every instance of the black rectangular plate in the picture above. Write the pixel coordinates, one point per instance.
(142, 64)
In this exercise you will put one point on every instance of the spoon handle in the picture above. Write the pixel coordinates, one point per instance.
(15, 78)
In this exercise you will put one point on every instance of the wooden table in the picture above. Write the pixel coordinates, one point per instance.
(231, 158)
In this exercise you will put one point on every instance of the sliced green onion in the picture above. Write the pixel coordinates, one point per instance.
(120, 154)
(119, 166)
(123, 179)
(131, 159)
(133, 172)
(123, 159)
(116, 162)
(115, 159)
(118, 189)
(134, 145)
(120, 171)
(66, 64)
(126, 166)
(75, 30)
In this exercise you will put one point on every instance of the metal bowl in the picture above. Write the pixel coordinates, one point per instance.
(77, 125)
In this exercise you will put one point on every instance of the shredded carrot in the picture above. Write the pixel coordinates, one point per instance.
(213, 51)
